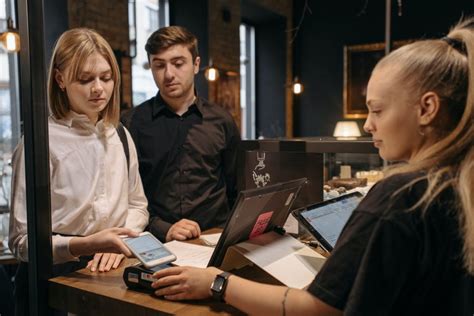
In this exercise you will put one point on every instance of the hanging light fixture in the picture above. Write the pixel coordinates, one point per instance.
(211, 73)
(297, 86)
(10, 39)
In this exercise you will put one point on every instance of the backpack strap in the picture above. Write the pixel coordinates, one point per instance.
(126, 117)
(123, 139)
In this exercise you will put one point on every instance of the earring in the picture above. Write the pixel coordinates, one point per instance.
(422, 133)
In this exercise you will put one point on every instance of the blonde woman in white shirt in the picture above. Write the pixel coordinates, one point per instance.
(92, 188)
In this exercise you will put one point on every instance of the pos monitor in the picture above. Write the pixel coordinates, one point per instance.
(255, 212)
(325, 220)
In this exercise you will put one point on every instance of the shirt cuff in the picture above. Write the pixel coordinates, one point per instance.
(325, 295)
(137, 221)
(159, 228)
(61, 252)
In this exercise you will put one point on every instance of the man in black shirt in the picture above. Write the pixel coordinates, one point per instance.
(186, 146)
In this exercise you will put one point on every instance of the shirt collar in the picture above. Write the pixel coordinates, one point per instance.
(73, 118)
(160, 105)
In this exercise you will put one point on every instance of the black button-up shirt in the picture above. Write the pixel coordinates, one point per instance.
(187, 163)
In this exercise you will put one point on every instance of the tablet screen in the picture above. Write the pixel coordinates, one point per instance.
(329, 218)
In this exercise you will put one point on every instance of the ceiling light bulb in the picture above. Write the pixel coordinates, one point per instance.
(297, 88)
(211, 74)
(10, 40)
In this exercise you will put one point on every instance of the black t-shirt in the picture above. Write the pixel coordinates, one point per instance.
(390, 261)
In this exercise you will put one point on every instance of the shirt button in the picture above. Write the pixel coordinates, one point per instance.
(181, 118)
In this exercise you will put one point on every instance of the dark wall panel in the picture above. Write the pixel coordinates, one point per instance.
(56, 22)
(318, 49)
(193, 15)
(270, 77)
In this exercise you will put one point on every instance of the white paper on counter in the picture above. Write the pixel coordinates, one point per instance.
(190, 254)
(291, 225)
(285, 258)
(211, 239)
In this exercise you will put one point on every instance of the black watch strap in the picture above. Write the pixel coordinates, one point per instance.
(219, 285)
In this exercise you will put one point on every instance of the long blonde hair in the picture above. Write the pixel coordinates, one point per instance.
(446, 67)
(72, 50)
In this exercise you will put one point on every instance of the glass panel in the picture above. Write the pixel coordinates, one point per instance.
(9, 122)
(247, 81)
(346, 171)
(143, 85)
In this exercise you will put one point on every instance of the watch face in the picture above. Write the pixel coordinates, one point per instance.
(218, 283)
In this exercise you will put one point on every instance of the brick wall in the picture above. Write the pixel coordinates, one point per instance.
(224, 49)
(110, 19)
(282, 7)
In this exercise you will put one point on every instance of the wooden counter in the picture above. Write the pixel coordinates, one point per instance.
(6, 256)
(95, 293)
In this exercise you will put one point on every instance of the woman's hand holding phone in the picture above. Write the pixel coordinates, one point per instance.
(106, 241)
(149, 250)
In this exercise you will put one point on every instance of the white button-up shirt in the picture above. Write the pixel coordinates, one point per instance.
(91, 188)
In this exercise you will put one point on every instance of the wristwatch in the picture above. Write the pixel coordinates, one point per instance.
(218, 286)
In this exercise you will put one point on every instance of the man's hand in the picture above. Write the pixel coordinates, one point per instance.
(107, 240)
(183, 229)
(184, 283)
(105, 261)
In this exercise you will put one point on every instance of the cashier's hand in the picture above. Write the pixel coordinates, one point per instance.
(183, 229)
(105, 261)
(184, 283)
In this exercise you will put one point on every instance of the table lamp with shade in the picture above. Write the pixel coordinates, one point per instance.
(347, 130)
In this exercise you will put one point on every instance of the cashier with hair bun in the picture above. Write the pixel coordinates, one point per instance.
(408, 248)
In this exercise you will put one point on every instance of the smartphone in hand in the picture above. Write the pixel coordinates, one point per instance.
(149, 250)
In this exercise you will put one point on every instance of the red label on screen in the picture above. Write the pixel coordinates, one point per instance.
(261, 224)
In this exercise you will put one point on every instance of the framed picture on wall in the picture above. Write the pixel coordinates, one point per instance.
(359, 61)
